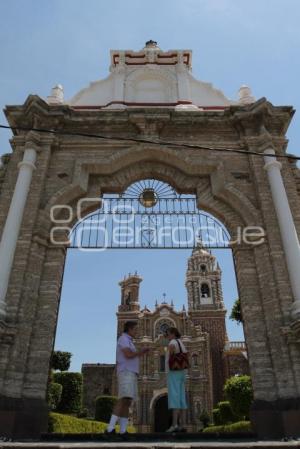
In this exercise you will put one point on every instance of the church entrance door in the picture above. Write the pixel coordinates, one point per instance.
(162, 415)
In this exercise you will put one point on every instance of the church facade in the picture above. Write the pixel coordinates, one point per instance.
(203, 330)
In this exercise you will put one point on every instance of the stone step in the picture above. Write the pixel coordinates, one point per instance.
(151, 441)
(153, 445)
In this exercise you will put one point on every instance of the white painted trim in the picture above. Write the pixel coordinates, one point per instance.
(13, 223)
(287, 227)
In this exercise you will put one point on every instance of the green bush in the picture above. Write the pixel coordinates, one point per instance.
(69, 424)
(54, 395)
(61, 360)
(104, 407)
(237, 427)
(216, 416)
(71, 391)
(204, 418)
(238, 391)
(59, 423)
(226, 413)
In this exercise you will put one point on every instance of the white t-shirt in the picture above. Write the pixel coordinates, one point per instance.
(177, 350)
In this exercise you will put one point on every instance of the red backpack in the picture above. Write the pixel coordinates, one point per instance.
(179, 361)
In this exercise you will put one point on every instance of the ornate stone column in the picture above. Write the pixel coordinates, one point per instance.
(13, 222)
(288, 231)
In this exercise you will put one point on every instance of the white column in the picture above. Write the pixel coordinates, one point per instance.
(13, 223)
(287, 227)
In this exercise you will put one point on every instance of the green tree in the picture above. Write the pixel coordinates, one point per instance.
(238, 391)
(54, 395)
(236, 311)
(61, 360)
(71, 397)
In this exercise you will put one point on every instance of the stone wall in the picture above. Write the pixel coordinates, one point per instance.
(97, 381)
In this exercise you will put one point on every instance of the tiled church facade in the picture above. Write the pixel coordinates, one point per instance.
(202, 325)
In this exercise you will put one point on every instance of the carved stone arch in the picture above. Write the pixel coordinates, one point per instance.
(184, 175)
(121, 180)
(214, 195)
(158, 154)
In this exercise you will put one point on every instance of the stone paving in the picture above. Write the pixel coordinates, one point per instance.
(156, 445)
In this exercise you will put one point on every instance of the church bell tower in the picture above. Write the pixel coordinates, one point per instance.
(203, 281)
(206, 308)
(129, 308)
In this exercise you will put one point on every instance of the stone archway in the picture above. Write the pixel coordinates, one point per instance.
(234, 188)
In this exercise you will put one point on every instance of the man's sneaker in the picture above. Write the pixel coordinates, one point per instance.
(173, 429)
(124, 435)
(112, 432)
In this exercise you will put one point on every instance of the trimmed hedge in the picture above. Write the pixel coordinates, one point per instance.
(226, 414)
(238, 391)
(216, 416)
(71, 391)
(54, 395)
(104, 407)
(59, 423)
(237, 427)
(204, 418)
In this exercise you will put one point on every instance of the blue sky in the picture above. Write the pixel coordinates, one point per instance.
(234, 42)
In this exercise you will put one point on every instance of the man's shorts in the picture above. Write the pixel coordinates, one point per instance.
(127, 385)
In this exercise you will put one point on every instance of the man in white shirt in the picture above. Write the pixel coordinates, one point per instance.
(127, 373)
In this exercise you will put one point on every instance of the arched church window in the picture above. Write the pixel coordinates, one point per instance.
(205, 291)
(203, 268)
(127, 298)
(162, 326)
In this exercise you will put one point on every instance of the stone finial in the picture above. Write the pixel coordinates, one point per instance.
(151, 44)
(245, 95)
(57, 95)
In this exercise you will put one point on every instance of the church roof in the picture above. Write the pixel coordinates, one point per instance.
(149, 77)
